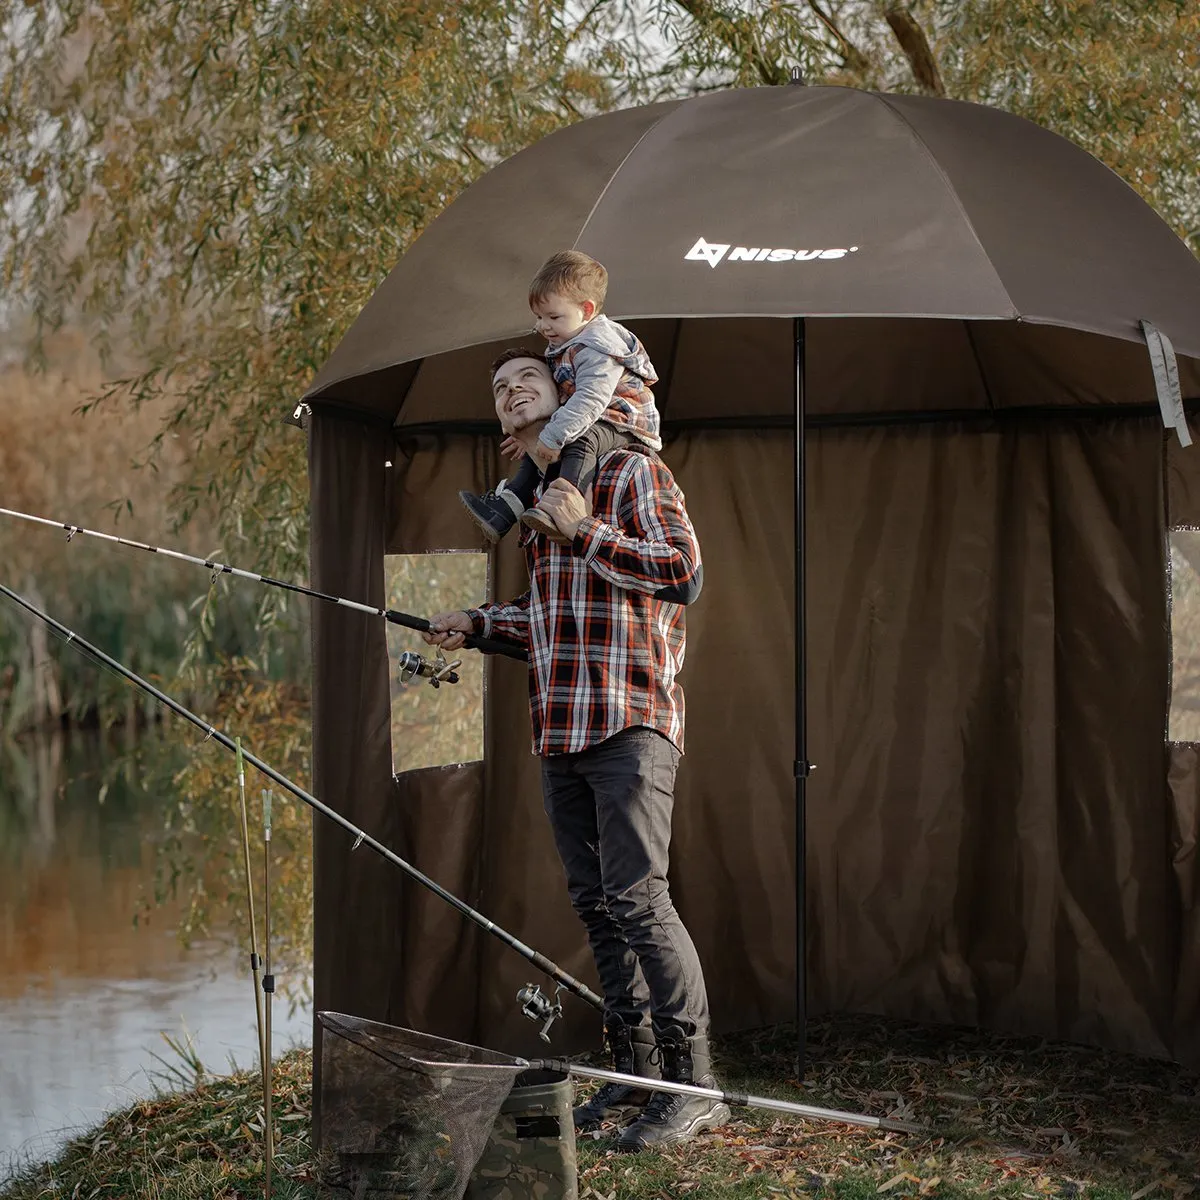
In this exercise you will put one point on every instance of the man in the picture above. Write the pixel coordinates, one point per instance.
(603, 624)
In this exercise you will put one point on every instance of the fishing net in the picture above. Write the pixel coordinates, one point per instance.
(404, 1115)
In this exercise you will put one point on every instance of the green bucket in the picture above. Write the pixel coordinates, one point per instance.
(530, 1154)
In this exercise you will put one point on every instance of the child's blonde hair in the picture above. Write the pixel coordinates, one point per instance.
(573, 275)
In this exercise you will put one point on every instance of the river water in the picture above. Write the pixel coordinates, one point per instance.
(86, 994)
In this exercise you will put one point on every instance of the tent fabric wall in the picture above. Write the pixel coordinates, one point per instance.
(990, 821)
(1183, 509)
(356, 896)
(1184, 776)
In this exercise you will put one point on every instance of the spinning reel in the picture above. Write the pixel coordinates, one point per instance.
(538, 1007)
(438, 671)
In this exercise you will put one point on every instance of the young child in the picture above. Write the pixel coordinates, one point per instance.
(603, 375)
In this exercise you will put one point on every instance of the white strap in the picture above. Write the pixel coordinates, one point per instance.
(1166, 381)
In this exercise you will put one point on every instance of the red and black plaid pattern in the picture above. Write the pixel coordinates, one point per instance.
(604, 654)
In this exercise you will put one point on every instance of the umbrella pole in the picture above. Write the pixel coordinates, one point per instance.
(801, 767)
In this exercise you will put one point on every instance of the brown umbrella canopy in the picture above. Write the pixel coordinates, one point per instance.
(774, 202)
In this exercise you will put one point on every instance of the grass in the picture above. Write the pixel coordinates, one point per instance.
(203, 1142)
(1007, 1117)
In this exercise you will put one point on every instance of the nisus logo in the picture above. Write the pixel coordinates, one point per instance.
(714, 252)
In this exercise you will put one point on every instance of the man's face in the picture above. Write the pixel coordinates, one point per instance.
(524, 391)
(556, 318)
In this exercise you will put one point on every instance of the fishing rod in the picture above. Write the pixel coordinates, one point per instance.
(471, 640)
(552, 969)
(255, 961)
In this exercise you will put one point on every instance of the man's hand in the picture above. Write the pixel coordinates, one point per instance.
(566, 506)
(543, 455)
(446, 630)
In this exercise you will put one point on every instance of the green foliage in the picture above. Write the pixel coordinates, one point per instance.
(239, 178)
(138, 608)
(435, 727)
(1122, 79)
(201, 855)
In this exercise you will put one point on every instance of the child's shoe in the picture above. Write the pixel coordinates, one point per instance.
(535, 518)
(495, 512)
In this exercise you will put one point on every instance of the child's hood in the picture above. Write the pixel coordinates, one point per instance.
(608, 337)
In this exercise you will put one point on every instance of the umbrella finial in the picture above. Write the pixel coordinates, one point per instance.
(797, 76)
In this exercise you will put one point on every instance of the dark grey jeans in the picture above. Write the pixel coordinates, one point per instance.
(610, 810)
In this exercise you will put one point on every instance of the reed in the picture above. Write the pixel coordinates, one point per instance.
(94, 468)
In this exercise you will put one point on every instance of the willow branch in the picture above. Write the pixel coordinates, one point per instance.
(852, 56)
(916, 49)
(738, 35)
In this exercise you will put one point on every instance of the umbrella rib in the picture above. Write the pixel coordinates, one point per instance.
(665, 393)
(983, 379)
(617, 170)
(937, 166)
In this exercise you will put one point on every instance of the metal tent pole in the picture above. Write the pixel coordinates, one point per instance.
(802, 768)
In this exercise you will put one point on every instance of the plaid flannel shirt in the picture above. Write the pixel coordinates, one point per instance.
(604, 654)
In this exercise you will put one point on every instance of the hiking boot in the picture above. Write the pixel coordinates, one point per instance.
(534, 518)
(620, 1103)
(670, 1118)
(495, 512)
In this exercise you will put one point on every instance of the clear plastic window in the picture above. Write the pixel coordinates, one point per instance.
(432, 727)
(1184, 721)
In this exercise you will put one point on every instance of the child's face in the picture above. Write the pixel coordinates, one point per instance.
(556, 318)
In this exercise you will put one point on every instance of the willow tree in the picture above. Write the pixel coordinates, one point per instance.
(224, 184)
(215, 188)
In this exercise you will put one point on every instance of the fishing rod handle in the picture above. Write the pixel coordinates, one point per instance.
(560, 977)
(471, 640)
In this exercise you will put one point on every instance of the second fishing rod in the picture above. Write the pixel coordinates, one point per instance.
(391, 615)
(535, 1005)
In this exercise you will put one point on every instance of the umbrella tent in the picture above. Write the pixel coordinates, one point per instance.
(795, 201)
(971, 286)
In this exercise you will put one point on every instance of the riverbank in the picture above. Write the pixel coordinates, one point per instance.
(1009, 1117)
